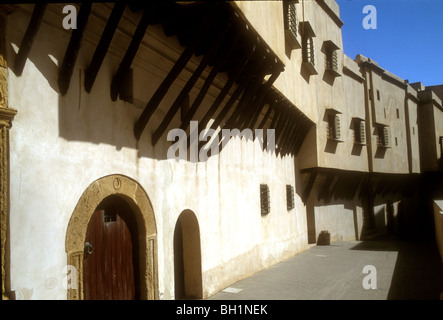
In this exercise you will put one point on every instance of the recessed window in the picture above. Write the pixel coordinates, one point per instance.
(398, 113)
(265, 200)
(334, 132)
(308, 50)
(378, 95)
(359, 131)
(289, 197)
(330, 49)
(290, 20)
(382, 136)
(331, 61)
(110, 215)
(396, 141)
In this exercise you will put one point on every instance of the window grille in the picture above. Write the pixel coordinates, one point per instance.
(334, 127)
(308, 50)
(110, 215)
(332, 61)
(289, 197)
(292, 20)
(359, 132)
(383, 137)
(265, 201)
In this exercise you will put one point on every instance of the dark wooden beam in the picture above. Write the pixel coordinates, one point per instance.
(288, 133)
(267, 115)
(256, 104)
(125, 64)
(306, 126)
(67, 66)
(309, 186)
(240, 90)
(103, 45)
(225, 90)
(283, 127)
(290, 136)
(173, 74)
(290, 143)
(274, 122)
(252, 88)
(28, 38)
(248, 120)
(279, 126)
(189, 84)
(247, 96)
(214, 71)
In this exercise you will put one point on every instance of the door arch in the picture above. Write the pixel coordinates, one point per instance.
(187, 257)
(135, 197)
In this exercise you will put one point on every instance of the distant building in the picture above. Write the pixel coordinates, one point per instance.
(110, 190)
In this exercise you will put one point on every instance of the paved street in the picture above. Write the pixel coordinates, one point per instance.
(404, 270)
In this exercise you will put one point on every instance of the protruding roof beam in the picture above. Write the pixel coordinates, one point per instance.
(67, 66)
(28, 38)
(173, 74)
(190, 84)
(214, 71)
(119, 77)
(103, 45)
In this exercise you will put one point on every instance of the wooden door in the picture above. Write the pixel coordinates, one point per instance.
(108, 267)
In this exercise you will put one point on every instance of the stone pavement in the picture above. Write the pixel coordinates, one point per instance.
(403, 270)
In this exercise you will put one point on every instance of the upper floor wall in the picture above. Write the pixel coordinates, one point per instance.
(306, 36)
(376, 110)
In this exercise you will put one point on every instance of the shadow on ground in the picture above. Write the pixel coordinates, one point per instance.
(418, 272)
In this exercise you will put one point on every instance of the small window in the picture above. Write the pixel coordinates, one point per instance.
(396, 141)
(290, 20)
(382, 136)
(289, 197)
(334, 127)
(398, 113)
(378, 95)
(110, 215)
(331, 61)
(359, 131)
(330, 49)
(265, 201)
(308, 50)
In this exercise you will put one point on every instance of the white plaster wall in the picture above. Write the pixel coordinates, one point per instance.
(59, 145)
(342, 222)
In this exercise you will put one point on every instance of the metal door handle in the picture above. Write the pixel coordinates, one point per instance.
(89, 249)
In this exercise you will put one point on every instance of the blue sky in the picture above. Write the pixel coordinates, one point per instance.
(408, 40)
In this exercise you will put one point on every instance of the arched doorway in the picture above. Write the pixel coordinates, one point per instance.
(111, 257)
(137, 214)
(187, 257)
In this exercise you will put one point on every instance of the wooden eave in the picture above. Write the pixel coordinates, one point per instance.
(215, 31)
